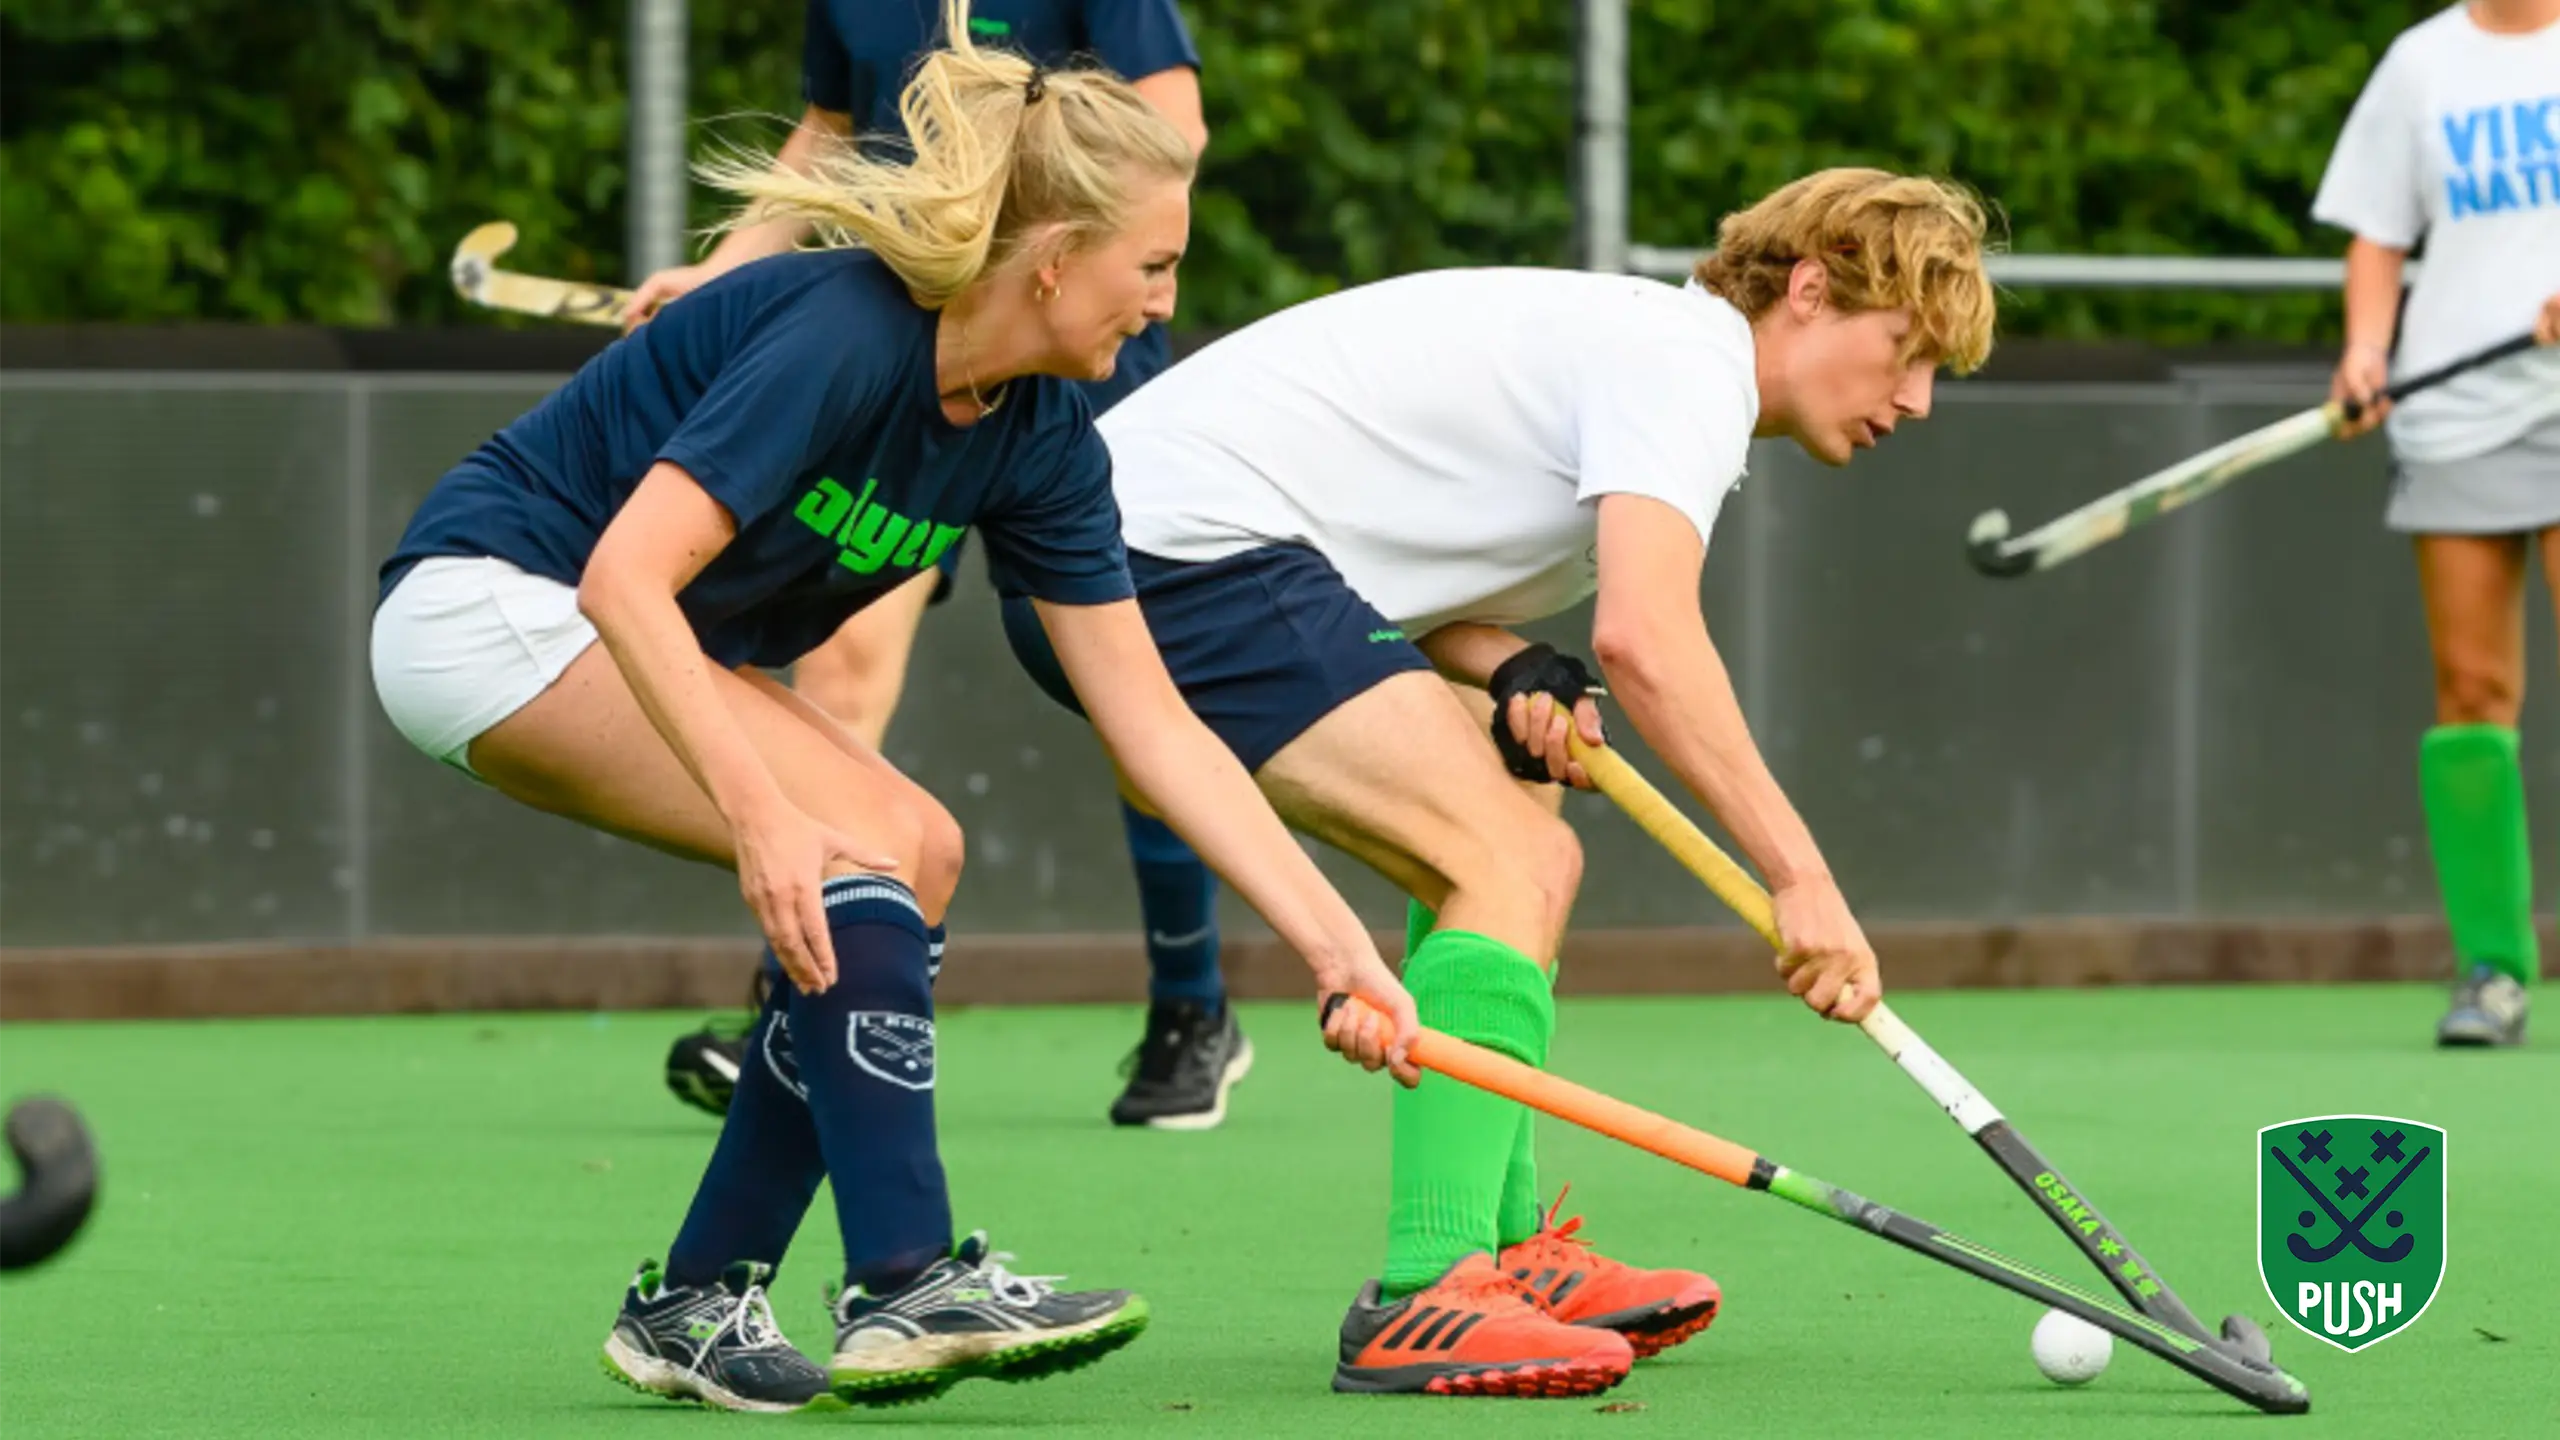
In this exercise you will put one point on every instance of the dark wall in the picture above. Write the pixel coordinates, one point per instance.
(2216, 717)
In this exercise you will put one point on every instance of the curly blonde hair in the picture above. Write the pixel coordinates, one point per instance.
(1885, 242)
(998, 152)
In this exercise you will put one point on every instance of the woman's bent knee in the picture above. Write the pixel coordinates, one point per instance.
(941, 850)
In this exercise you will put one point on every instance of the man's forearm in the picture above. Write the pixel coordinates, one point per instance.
(1676, 693)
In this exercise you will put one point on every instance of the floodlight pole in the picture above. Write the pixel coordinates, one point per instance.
(1600, 134)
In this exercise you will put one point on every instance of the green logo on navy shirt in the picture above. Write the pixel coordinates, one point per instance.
(872, 536)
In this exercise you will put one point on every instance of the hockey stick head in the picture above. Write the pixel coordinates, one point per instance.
(60, 1164)
(2242, 1337)
(1986, 546)
(479, 279)
(477, 256)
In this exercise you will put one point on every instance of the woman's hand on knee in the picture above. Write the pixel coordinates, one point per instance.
(1378, 1031)
(784, 860)
(1825, 956)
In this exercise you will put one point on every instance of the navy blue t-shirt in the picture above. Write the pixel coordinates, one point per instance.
(799, 392)
(857, 55)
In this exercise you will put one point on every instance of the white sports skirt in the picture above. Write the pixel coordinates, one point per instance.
(2508, 491)
(462, 643)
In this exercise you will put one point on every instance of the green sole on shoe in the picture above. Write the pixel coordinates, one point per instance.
(1037, 1360)
(624, 1378)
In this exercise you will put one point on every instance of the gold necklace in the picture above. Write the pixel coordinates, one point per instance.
(969, 372)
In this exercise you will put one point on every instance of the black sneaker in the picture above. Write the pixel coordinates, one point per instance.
(702, 1068)
(968, 1316)
(2489, 1008)
(713, 1343)
(1180, 1073)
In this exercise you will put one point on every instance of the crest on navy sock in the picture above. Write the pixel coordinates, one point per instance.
(892, 1047)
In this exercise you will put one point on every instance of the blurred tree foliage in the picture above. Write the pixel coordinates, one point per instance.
(250, 160)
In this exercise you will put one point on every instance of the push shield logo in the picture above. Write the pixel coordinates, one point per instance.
(2351, 1224)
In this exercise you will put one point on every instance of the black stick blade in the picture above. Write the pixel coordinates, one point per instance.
(1986, 546)
(61, 1169)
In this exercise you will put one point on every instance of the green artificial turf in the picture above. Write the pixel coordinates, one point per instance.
(408, 1226)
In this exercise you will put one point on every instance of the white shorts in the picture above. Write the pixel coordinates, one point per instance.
(462, 643)
(2512, 490)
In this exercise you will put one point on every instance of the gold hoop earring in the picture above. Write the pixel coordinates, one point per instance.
(1044, 292)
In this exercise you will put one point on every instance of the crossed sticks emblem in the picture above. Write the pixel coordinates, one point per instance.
(2315, 1148)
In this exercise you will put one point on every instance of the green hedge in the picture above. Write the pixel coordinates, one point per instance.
(248, 160)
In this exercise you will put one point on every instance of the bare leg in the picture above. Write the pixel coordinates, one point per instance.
(585, 749)
(2474, 591)
(2471, 781)
(1402, 779)
(858, 675)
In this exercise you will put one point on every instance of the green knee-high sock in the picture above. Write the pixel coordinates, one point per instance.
(1419, 921)
(2474, 793)
(1453, 1142)
(1518, 1217)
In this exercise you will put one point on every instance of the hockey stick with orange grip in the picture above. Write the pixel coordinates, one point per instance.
(2262, 1386)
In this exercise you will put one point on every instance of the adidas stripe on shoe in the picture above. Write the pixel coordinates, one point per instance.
(1473, 1332)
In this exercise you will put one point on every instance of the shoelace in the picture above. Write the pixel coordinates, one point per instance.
(1563, 1240)
(1492, 1286)
(751, 1319)
(1012, 1289)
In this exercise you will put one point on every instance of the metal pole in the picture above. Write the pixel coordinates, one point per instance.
(654, 219)
(2102, 272)
(1600, 134)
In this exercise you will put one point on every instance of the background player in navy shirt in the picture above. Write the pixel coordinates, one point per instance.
(855, 58)
(716, 493)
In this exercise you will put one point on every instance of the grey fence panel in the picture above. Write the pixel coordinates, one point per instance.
(173, 748)
(1964, 746)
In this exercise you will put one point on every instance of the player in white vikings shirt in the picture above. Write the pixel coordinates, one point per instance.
(2456, 140)
(1441, 456)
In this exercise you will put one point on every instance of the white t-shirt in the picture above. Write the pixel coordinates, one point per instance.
(2457, 137)
(1443, 438)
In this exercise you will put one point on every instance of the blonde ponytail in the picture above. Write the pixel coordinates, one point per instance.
(998, 152)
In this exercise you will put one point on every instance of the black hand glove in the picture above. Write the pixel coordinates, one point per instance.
(1538, 670)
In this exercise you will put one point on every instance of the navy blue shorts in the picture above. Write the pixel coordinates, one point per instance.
(1263, 644)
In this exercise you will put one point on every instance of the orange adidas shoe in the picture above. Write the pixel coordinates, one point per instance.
(1472, 1332)
(1570, 1281)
